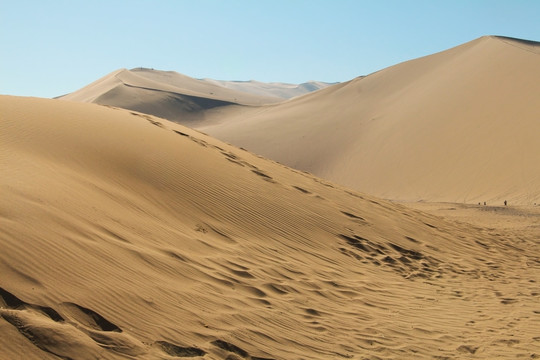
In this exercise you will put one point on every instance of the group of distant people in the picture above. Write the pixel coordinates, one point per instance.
(505, 203)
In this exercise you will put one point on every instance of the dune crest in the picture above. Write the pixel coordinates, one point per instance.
(181, 98)
(124, 235)
(280, 90)
(460, 126)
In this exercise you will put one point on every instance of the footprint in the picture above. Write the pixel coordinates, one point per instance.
(173, 254)
(236, 350)
(199, 141)
(84, 334)
(354, 194)
(252, 290)
(181, 133)
(13, 302)
(230, 155)
(47, 329)
(509, 342)
(230, 348)
(236, 162)
(217, 147)
(10, 300)
(90, 318)
(312, 312)
(263, 175)
(57, 338)
(431, 226)
(353, 216)
(485, 246)
(242, 273)
(277, 288)
(302, 190)
(389, 260)
(179, 351)
(406, 252)
(103, 332)
(363, 244)
(156, 123)
(412, 239)
(467, 349)
(148, 118)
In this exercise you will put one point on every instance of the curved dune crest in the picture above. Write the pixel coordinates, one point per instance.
(461, 125)
(181, 98)
(127, 236)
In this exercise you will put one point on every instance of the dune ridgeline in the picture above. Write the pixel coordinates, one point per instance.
(181, 98)
(461, 125)
(126, 236)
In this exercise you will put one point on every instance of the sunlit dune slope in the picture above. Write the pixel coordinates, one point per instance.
(280, 90)
(125, 236)
(461, 125)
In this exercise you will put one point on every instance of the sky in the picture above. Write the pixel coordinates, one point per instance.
(52, 47)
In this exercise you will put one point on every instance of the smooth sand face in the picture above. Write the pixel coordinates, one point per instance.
(123, 235)
(461, 126)
(166, 94)
(181, 98)
(166, 82)
(456, 126)
(280, 90)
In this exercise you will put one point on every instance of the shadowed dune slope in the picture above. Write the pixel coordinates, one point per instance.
(461, 125)
(125, 236)
(181, 98)
(166, 94)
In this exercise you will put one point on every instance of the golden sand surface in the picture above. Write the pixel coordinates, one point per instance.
(458, 126)
(126, 236)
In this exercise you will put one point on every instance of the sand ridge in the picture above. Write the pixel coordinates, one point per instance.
(179, 97)
(163, 81)
(127, 236)
(281, 90)
(457, 126)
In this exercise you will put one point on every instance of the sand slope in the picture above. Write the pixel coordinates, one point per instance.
(181, 98)
(163, 93)
(274, 89)
(126, 236)
(461, 125)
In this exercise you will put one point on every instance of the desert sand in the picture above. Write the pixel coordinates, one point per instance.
(274, 89)
(457, 126)
(126, 236)
(180, 98)
(461, 125)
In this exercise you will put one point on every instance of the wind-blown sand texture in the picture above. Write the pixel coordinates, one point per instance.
(181, 98)
(462, 125)
(125, 236)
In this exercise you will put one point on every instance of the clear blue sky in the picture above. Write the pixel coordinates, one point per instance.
(52, 47)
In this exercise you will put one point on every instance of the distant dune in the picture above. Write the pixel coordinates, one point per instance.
(461, 125)
(280, 90)
(181, 98)
(126, 236)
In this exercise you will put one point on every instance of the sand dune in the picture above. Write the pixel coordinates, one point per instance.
(178, 97)
(281, 90)
(123, 235)
(163, 93)
(461, 126)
